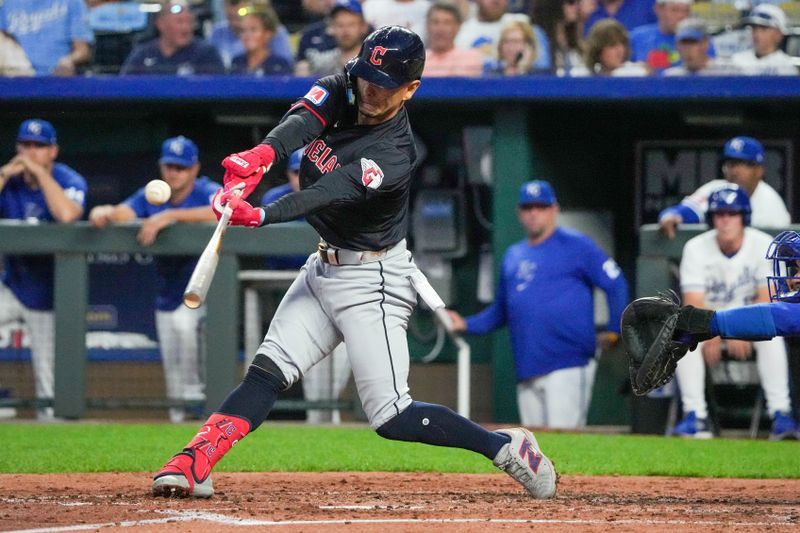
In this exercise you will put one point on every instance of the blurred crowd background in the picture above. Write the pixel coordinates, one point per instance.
(463, 37)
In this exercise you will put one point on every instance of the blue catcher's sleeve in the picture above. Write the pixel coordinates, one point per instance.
(786, 317)
(687, 214)
(494, 316)
(755, 322)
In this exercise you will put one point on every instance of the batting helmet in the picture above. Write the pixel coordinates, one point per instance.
(729, 198)
(389, 57)
(784, 251)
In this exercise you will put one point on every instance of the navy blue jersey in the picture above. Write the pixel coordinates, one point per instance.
(272, 66)
(315, 38)
(30, 278)
(545, 296)
(358, 176)
(173, 271)
(197, 58)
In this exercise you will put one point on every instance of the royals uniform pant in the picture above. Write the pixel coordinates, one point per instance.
(773, 372)
(41, 332)
(559, 399)
(367, 306)
(180, 339)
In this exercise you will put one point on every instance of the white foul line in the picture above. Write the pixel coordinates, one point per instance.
(189, 516)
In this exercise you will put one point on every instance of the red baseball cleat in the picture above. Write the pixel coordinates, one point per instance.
(180, 477)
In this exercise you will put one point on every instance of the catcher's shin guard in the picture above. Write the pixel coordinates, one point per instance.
(188, 473)
(524, 461)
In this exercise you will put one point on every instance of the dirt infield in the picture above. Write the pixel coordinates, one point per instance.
(358, 502)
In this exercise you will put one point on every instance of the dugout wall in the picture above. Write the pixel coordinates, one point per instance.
(582, 134)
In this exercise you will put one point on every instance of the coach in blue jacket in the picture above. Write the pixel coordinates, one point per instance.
(545, 296)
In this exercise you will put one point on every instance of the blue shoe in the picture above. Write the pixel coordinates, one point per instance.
(692, 427)
(783, 427)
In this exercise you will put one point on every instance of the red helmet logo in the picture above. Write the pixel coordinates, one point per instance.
(377, 54)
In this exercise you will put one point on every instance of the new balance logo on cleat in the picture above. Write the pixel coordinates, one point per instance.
(524, 461)
(527, 452)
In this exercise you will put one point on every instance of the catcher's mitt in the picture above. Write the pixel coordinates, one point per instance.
(648, 325)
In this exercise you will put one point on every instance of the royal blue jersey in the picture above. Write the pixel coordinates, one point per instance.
(173, 271)
(288, 262)
(30, 278)
(656, 49)
(545, 296)
(631, 14)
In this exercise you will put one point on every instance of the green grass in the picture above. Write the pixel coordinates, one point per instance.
(33, 448)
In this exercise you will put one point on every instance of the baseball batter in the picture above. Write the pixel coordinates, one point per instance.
(724, 268)
(355, 178)
(34, 188)
(179, 328)
(328, 378)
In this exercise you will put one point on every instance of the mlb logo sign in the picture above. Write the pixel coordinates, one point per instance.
(317, 95)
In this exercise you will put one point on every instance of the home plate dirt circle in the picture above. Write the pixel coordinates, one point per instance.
(394, 502)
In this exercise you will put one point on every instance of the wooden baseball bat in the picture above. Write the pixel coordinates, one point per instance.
(197, 288)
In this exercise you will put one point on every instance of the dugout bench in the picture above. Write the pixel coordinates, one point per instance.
(656, 270)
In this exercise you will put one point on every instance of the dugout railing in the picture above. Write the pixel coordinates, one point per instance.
(71, 244)
(658, 258)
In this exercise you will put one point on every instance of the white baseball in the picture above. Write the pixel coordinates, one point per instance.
(157, 192)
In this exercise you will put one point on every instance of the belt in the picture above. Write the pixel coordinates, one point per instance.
(340, 256)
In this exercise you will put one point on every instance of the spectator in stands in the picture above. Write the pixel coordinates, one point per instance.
(349, 29)
(225, 34)
(630, 13)
(562, 22)
(176, 50)
(327, 379)
(178, 327)
(516, 50)
(13, 61)
(540, 284)
(482, 31)
(723, 268)
(743, 165)
(693, 45)
(317, 10)
(258, 27)
(654, 44)
(117, 26)
(317, 36)
(410, 14)
(442, 58)
(767, 23)
(607, 52)
(34, 189)
(54, 33)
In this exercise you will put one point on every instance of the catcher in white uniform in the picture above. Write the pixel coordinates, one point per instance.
(722, 268)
